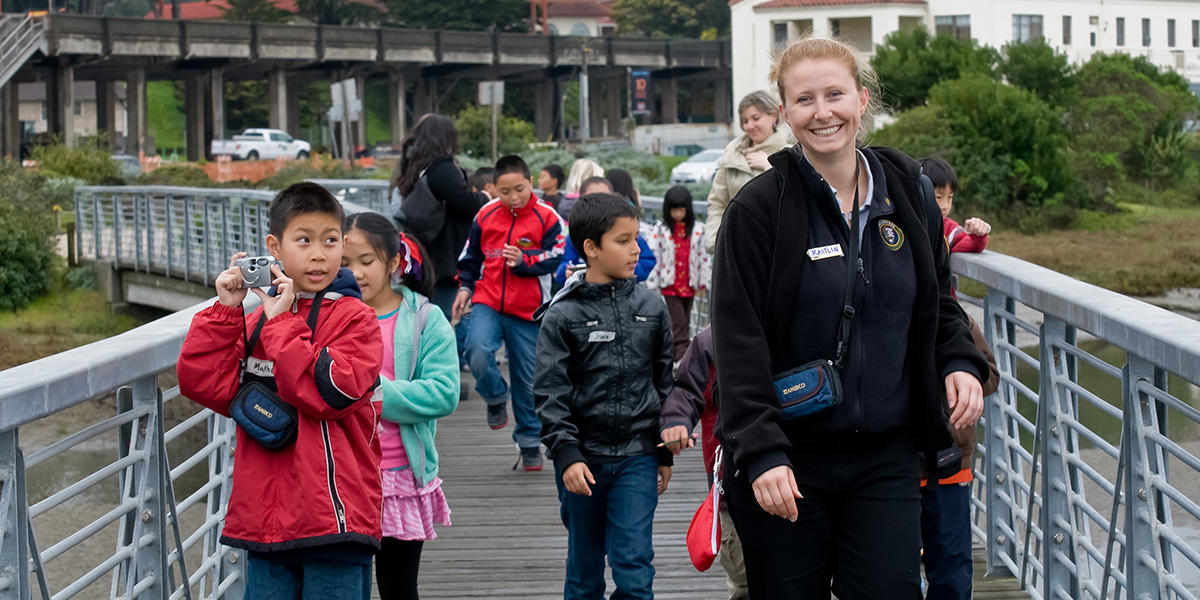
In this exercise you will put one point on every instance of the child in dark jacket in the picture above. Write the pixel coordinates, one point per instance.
(308, 512)
(603, 369)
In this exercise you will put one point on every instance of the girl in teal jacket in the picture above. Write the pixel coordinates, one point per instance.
(419, 386)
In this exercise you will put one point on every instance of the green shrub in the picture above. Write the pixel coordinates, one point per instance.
(26, 226)
(180, 175)
(474, 125)
(89, 160)
(324, 168)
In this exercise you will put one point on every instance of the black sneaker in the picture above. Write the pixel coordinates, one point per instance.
(531, 458)
(497, 416)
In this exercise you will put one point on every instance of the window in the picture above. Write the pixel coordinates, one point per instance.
(1120, 31)
(1066, 37)
(78, 108)
(779, 35)
(1027, 28)
(955, 26)
(835, 27)
(1171, 32)
(1145, 32)
(1195, 33)
(1093, 24)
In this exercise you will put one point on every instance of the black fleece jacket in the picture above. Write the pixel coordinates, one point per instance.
(449, 184)
(759, 271)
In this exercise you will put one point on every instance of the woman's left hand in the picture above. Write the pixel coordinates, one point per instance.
(964, 395)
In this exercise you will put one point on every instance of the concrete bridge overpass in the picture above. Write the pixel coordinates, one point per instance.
(60, 49)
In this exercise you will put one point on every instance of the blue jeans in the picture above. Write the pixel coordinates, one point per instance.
(487, 330)
(443, 297)
(946, 535)
(616, 520)
(315, 580)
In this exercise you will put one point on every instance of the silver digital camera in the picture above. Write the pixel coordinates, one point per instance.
(256, 270)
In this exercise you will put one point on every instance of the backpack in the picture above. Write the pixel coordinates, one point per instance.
(420, 212)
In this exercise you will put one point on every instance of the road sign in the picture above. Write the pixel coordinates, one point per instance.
(640, 99)
(491, 92)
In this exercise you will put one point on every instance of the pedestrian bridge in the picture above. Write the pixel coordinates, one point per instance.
(1085, 478)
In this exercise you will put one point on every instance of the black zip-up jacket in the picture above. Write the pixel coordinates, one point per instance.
(775, 309)
(603, 370)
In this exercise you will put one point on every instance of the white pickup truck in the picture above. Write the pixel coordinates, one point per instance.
(253, 144)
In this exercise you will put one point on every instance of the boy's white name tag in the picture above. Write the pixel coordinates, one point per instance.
(260, 367)
(602, 336)
(829, 251)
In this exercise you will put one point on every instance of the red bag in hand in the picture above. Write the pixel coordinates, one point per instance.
(704, 533)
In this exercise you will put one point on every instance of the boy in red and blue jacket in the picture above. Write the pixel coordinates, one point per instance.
(308, 512)
(515, 244)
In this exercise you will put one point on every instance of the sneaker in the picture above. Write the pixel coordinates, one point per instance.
(531, 458)
(497, 416)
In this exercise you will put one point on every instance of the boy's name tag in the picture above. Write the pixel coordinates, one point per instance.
(829, 251)
(602, 336)
(260, 367)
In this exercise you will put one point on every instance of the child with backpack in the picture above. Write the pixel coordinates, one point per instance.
(298, 375)
(420, 385)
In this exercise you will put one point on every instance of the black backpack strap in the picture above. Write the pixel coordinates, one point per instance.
(252, 342)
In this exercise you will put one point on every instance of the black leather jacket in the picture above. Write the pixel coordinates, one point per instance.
(603, 369)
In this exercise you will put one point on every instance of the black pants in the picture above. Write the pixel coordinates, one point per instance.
(858, 532)
(396, 568)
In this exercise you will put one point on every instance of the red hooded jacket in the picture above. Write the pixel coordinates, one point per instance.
(516, 291)
(325, 487)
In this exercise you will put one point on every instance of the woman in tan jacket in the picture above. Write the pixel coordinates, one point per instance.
(746, 156)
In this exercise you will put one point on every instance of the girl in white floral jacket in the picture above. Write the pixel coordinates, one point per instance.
(684, 266)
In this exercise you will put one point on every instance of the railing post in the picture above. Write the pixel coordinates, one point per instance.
(233, 562)
(1143, 555)
(151, 560)
(1057, 518)
(14, 544)
(996, 468)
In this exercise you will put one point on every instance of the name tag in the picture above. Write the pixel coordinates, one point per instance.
(829, 251)
(260, 367)
(602, 336)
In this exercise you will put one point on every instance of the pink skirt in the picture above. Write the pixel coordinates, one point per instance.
(410, 513)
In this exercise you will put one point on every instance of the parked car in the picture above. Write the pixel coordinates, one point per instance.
(253, 144)
(700, 167)
(130, 167)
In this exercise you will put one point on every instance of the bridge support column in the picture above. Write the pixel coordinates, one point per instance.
(106, 111)
(292, 97)
(194, 109)
(360, 134)
(397, 106)
(278, 107)
(544, 103)
(722, 110)
(614, 100)
(596, 102)
(135, 112)
(216, 102)
(425, 97)
(66, 104)
(670, 100)
(10, 121)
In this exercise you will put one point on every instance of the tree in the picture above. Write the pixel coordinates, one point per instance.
(912, 61)
(254, 11)
(244, 106)
(694, 19)
(474, 125)
(339, 12)
(1036, 67)
(1007, 145)
(471, 15)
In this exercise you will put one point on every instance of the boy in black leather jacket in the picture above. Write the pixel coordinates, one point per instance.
(603, 370)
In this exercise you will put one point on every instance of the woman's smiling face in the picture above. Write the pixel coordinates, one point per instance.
(823, 105)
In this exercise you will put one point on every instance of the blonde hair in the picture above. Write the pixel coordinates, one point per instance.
(581, 170)
(816, 48)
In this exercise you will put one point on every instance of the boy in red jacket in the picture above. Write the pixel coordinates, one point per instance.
(514, 246)
(971, 236)
(308, 512)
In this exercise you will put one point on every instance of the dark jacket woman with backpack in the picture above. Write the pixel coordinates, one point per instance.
(428, 152)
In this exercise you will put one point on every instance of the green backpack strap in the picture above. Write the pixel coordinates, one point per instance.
(419, 321)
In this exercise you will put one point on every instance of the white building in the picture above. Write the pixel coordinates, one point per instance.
(1165, 31)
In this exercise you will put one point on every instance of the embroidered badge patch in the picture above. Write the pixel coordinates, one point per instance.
(892, 236)
(525, 242)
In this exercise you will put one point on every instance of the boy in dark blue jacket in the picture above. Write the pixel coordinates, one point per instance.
(603, 370)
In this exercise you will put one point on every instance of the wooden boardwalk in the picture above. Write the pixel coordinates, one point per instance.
(507, 540)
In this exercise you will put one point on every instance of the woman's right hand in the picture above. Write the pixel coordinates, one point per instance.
(776, 492)
(758, 160)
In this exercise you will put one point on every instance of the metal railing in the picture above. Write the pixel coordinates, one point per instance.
(20, 37)
(60, 516)
(1087, 466)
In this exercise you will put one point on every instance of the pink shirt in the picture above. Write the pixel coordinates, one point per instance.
(394, 456)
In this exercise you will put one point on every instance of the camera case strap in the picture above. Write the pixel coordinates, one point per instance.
(257, 408)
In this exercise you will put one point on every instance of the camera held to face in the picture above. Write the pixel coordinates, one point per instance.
(256, 270)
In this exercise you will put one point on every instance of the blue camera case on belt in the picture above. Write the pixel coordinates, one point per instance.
(808, 389)
(263, 415)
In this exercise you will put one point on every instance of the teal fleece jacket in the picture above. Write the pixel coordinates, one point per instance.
(432, 393)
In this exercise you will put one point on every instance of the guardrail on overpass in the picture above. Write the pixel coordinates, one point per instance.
(1085, 473)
